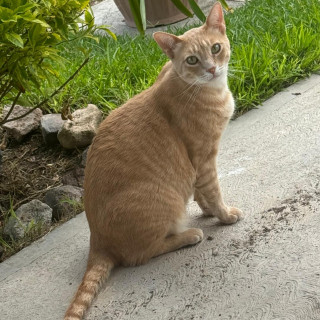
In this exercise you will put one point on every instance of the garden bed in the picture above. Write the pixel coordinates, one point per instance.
(27, 171)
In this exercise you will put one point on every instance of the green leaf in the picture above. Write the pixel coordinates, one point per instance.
(75, 27)
(143, 14)
(97, 39)
(182, 8)
(136, 13)
(91, 22)
(24, 8)
(84, 3)
(88, 17)
(106, 29)
(86, 52)
(61, 27)
(197, 11)
(58, 59)
(33, 75)
(48, 67)
(32, 19)
(18, 81)
(15, 39)
(225, 5)
(7, 15)
(41, 22)
(56, 36)
(34, 34)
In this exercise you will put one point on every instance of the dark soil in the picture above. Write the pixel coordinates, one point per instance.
(28, 170)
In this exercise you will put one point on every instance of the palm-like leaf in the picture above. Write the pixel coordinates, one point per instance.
(138, 10)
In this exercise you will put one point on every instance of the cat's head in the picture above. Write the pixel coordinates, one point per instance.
(201, 55)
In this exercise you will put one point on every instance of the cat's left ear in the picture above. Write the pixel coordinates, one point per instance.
(167, 42)
(215, 18)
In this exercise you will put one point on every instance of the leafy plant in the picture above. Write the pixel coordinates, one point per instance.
(31, 32)
(138, 10)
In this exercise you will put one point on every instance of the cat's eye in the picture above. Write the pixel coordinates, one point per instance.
(215, 48)
(192, 60)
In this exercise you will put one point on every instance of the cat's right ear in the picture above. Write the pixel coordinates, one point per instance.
(215, 18)
(167, 42)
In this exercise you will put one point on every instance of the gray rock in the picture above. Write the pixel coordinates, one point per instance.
(74, 177)
(79, 131)
(18, 129)
(64, 201)
(84, 157)
(50, 126)
(34, 211)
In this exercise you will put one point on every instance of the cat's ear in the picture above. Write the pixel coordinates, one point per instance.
(167, 42)
(215, 18)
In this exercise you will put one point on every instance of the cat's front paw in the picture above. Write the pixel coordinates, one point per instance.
(231, 215)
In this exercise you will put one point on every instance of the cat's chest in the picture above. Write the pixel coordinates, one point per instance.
(228, 107)
(210, 115)
(203, 128)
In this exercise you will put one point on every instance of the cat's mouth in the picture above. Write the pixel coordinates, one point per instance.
(217, 74)
(210, 77)
(214, 76)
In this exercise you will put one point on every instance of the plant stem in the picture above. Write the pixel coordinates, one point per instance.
(5, 89)
(47, 99)
(11, 108)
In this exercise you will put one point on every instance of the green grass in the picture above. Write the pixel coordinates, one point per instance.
(33, 231)
(274, 44)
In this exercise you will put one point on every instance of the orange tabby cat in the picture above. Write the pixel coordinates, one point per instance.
(153, 153)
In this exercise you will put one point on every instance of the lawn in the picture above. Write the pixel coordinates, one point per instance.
(274, 44)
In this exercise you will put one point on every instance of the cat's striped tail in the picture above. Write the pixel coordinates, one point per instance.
(98, 270)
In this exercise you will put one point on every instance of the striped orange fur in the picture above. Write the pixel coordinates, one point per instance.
(153, 153)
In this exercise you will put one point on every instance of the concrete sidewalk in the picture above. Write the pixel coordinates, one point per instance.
(267, 266)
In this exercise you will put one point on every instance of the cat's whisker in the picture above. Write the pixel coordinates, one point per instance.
(231, 74)
(193, 95)
(188, 86)
(190, 96)
(235, 70)
(196, 94)
(206, 77)
(234, 77)
(175, 77)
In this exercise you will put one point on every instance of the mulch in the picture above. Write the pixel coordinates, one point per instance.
(29, 169)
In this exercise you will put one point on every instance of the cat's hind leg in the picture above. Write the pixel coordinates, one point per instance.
(176, 241)
(166, 244)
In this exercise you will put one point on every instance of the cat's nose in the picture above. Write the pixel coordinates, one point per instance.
(212, 70)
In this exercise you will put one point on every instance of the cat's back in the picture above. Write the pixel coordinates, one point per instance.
(128, 128)
(135, 146)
